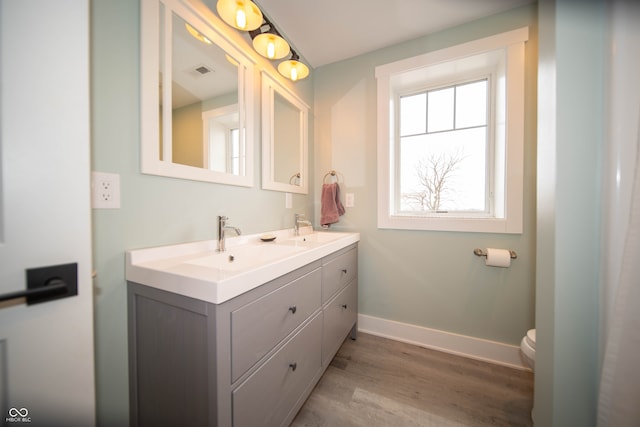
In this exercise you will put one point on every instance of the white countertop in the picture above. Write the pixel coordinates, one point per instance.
(198, 270)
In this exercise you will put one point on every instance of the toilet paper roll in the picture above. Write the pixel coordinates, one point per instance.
(498, 257)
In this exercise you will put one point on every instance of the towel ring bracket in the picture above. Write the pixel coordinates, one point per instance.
(331, 173)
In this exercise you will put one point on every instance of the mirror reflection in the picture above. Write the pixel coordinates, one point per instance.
(284, 138)
(204, 103)
(286, 134)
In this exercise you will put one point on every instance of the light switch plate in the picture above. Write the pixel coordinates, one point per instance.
(350, 200)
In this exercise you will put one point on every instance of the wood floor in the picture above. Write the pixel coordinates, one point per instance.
(378, 382)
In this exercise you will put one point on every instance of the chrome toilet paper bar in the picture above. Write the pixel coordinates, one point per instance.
(480, 252)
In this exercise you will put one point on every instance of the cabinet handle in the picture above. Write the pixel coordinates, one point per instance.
(293, 309)
(344, 306)
(293, 366)
(344, 270)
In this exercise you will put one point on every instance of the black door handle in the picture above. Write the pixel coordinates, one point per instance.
(52, 287)
(48, 283)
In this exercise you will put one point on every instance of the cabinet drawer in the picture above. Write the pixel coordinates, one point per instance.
(271, 393)
(337, 272)
(257, 327)
(340, 314)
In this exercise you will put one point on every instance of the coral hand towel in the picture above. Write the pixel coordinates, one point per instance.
(331, 206)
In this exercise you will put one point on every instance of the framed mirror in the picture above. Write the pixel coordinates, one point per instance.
(197, 97)
(284, 139)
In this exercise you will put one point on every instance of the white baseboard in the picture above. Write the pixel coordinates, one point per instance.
(461, 345)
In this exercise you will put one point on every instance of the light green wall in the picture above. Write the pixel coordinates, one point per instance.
(571, 122)
(430, 279)
(155, 210)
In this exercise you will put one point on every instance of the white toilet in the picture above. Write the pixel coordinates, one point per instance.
(528, 348)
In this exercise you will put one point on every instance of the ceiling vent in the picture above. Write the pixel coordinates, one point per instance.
(200, 70)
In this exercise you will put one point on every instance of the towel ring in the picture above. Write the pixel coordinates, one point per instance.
(293, 177)
(331, 173)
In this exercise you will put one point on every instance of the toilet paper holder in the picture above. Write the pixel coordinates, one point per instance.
(480, 252)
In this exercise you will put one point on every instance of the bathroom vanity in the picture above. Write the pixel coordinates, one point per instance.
(238, 338)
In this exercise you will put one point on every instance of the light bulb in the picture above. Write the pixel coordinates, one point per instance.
(241, 19)
(294, 74)
(271, 49)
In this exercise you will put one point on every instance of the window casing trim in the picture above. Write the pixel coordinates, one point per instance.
(409, 74)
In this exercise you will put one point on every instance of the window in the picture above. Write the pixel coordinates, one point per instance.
(443, 150)
(450, 138)
(236, 153)
(224, 149)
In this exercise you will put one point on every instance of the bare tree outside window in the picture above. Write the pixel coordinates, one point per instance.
(434, 175)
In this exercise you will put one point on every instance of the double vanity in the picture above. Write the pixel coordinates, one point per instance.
(240, 337)
(233, 332)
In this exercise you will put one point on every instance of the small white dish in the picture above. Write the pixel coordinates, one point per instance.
(268, 237)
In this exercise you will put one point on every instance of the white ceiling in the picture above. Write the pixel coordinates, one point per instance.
(326, 31)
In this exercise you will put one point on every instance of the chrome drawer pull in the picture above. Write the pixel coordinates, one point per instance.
(344, 270)
(344, 306)
(293, 366)
(293, 309)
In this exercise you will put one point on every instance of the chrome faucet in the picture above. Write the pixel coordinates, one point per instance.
(222, 226)
(299, 219)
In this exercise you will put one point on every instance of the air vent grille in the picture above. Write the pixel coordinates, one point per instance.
(203, 70)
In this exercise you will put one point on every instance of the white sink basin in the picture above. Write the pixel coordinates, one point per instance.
(245, 257)
(318, 237)
(198, 270)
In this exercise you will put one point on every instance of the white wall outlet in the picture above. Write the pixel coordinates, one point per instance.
(349, 200)
(105, 190)
(288, 201)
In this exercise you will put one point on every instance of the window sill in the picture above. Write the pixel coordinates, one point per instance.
(469, 225)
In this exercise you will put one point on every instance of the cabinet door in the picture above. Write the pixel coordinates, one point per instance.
(340, 314)
(271, 393)
(337, 272)
(258, 327)
(170, 384)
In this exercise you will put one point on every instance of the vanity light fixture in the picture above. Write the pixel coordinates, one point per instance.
(240, 14)
(266, 40)
(293, 69)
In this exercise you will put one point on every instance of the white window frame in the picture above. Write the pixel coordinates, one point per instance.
(501, 55)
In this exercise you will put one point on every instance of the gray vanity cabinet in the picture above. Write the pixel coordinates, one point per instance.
(250, 361)
(339, 300)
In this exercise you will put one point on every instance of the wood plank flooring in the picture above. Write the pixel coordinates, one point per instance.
(379, 382)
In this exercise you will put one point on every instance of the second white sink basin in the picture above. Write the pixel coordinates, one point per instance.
(319, 237)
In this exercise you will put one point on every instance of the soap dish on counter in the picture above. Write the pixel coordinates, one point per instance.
(268, 237)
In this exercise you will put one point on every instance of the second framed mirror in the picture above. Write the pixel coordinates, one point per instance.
(284, 139)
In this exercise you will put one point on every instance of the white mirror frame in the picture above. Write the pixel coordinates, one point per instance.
(270, 87)
(150, 100)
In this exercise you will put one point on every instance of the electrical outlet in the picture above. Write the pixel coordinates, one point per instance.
(105, 190)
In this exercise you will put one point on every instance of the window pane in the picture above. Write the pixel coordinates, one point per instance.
(444, 171)
(440, 107)
(235, 151)
(413, 114)
(471, 104)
